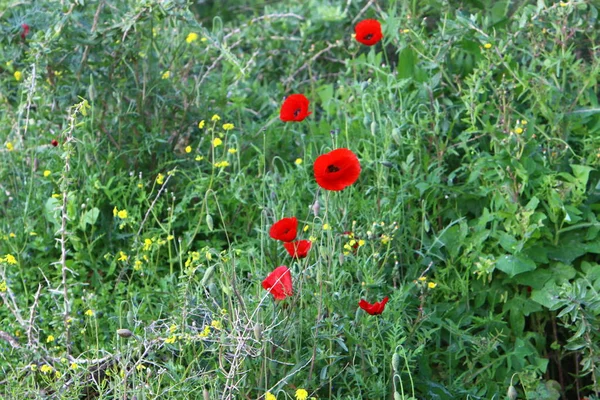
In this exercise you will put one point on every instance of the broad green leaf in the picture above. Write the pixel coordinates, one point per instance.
(514, 264)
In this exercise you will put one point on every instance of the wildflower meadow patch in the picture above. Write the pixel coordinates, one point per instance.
(299, 200)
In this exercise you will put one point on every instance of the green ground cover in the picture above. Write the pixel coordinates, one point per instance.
(143, 163)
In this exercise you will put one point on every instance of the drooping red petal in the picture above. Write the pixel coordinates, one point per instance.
(294, 108)
(279, 283)
(368, 32)
(285, 229)
(375, 308)
(298, 249)
(337, 169)
(25, 31)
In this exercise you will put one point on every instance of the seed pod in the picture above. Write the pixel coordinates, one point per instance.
(512, 393)
(124, 333)
(258, 331)
(316, 207)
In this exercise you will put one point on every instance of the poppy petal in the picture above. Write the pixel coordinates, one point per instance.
(294, 108)
(337, 169)
(375, 308)
(285, 229)
(298, 249)
(279, 283)
(368, 32)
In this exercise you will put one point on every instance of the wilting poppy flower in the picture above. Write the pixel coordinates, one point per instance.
(337, 169)
(284, 229)
(25, 31)
(54, 142)
(368, 32)
(375, 308)
(298, 249)
(294, 108)
(279, 283)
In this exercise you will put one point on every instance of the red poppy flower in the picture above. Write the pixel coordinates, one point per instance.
(294, 108)
(375, 308)
(298, 249)
(54, 142)
(368, 32)
(284, 229)
(337, 169)
(25, 31)
(279, 283)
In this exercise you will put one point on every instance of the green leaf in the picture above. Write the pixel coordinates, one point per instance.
(89, 217)
(515, 264)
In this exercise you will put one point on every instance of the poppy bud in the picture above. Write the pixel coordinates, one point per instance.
(54, 142)
(396, 362)
(25, 31)
(258, 331)
(512, 393)
(207, 275)
(316, 207)
(124, 333)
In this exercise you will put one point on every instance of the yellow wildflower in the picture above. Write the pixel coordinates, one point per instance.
(188, 149)
(170, 237)
(298, 161)
(301, 394)
(115, 210)
(232, 151)
(431, 285)
(50, 339)
(406, 31)
(171, 339)
(217, 142)
(326, 227)
(216, 324)
(3, 287)
(122, 256)
(228, 127)
(205, 332)
(518, 130)
(270, 396)
(147, 244)
(312, 239)
(122, 214)
(523, 122)
(199, 158)
(487, 46)
(203, 39)
(215, 118)
(12, 235)
(74, 366)
(422, 279)
(361, 243)
(222, 164)
(46, 368)
(306, 227)
(137, 265)
(9, 146)
(47, 173)
(89, 313)
(160, 179)
(562, 4)
(172, 328)
(10, 259)
(385, 239)
(140, 367)
(18, 75)
(191, 37)
(56, 195)
(166, 75)
(201, 124)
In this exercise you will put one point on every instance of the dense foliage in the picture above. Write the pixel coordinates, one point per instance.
(143, 162)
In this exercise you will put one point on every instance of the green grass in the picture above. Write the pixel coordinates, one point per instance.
(477, 129)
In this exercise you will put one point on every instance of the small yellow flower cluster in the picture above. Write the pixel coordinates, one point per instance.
(270, 396)
(301, 394)
(205, 332)
(172, 328)
(218, 325)
(228, 127)
(137, 265)
(122, 256)
(193, 257)
(9, 146)
(147, 244)
(191, 37)
(166, 75)
(201, 124)
(3, 287)
(215, 118)
(520, 126)
(217, 142)
(89, 313)
(171, 339)
(18, 75)
(50, 339)
(120, 213)
(423, 280)
(9, 259)
(46, 368)
(160, 179)
(221, 164)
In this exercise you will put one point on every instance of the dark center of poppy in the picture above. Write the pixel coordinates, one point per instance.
(332, 168)
(297, 112)
(369, 36)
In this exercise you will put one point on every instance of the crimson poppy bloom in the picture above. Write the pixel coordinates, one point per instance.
(25, 31)
(294, 108)
(284, 229)
(368, 32)
(375, 308)
(54, 142)
(298, 249)
(279, 283)
(337, 169)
